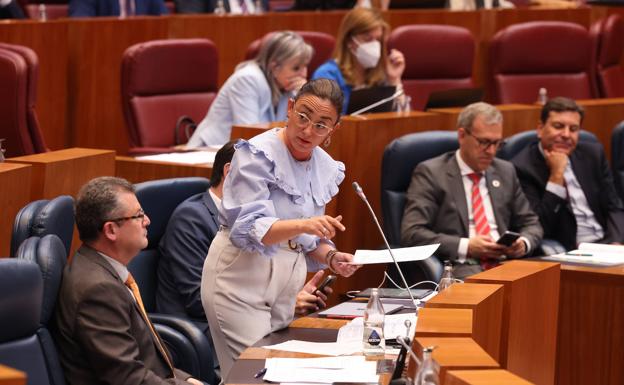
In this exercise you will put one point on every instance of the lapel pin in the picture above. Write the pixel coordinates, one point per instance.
(496, 183)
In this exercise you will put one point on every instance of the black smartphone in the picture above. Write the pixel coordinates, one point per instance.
(508, 238)
(326, 282)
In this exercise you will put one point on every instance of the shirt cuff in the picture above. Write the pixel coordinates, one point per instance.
(557, 189)
(527, 243)
(260, 227)
(462, 250)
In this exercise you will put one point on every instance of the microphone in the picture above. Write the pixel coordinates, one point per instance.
(360, 193)
(397, 94)
(404, 342)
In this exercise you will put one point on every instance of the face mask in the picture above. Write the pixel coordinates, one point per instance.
(368, 54)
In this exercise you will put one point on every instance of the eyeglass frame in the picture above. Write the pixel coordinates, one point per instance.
(141, 215)
(485, 144)
(303, 116)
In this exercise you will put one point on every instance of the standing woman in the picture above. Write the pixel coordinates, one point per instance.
(258, 90)
(361, 57)
(274, 224)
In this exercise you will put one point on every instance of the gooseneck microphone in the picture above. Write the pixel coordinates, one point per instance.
(360, 193)
(397, 94)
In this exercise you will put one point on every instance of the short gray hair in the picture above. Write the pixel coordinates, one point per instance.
(491, 115)
(96, 203)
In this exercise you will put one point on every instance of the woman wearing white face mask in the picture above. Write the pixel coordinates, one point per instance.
(361, 58)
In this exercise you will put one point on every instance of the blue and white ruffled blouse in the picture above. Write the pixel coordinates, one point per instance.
(266, 184)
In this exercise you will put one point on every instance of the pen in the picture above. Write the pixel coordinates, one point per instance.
(579, 254)
(260, 373)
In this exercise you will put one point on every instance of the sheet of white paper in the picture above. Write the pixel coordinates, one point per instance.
(192, 157)
(320, 348)
(595, 247)
(394, 325)
(321, 370)
(592, 254)
(404, 254)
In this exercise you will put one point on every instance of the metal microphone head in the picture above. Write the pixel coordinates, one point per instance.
(358, 190)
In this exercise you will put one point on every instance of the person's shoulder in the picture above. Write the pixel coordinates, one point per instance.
(330, 67)
(437, 162)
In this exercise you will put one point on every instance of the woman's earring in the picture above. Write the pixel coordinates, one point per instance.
(327, 141)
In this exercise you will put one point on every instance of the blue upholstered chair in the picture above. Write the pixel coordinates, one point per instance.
(617, 157)
(400, 158)
(43, 217)
(515, 143)
(29, 286)
(159, 198)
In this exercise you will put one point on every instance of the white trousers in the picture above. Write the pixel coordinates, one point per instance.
(247, 296)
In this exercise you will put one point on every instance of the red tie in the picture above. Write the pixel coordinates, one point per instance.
(482, 227)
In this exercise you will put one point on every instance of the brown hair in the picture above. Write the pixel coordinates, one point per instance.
(355, 22)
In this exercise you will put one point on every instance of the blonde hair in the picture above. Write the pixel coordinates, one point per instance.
(355, 22)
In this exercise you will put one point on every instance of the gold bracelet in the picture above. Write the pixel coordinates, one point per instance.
(329, 257)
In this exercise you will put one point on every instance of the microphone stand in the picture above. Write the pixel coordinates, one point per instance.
(360, 193)
(378, 103)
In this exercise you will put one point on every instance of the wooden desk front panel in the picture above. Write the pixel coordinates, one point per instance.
(14, 194)
(484, 377)
(601, 116)
(10, 376)
(137, 171)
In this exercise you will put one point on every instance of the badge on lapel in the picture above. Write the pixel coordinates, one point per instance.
(496, 183)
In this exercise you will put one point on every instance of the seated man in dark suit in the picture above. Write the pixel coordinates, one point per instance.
(569, 184)
(466, 199)
(10, 9)
(209, 6)
(184, 247)
(122, 8)
(102, 329)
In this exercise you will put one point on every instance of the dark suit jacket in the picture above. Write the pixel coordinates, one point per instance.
(592, 171)
(91, 8)
(101, 335)
(436, 210)
(206, 6)
(11, 11)
(183, 249)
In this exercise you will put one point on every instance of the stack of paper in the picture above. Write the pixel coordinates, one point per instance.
(320, 348)
(592, 254)
(394, 325)
(404, 254)
(321, 370)
(191, 157)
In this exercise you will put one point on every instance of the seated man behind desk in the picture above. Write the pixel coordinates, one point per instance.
(102, 330)
(122, 8)
(569, 184)
(208, 6)
(466, 199)
(184, 247)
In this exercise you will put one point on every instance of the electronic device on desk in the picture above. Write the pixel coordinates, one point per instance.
(457, 97)
(365, 97)
(508, 238)
(352, 309)
(386, 292)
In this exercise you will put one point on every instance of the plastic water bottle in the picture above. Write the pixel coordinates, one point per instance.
(373, 339)
(542, 96)
(43, 13)
(447, 277)
(258, 7)
(219, 8)
(2, 150)
(428, 372)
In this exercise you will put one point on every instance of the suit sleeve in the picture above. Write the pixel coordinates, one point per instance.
(103, 325)
(523, 219)
(245, 101)
(187, 240)
(421, 210)
(615, 217)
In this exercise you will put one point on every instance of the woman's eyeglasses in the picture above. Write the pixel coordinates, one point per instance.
(303, 121)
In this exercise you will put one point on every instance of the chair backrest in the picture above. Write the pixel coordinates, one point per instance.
(323, 44)
(29, 287)
(554, 55)
(42, 217)
(515, 143)
(617, 157)
(163, 80)
(159, 198)
(437, 57)
(609, 72)
(13, 106)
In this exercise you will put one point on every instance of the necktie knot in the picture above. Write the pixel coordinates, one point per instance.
(474, 177)
(130, 280)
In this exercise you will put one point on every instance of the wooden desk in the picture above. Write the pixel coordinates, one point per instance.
(136, 170)
(484, 377)
(601, 116)
(14, 194)
(439, 322)
(10, 376)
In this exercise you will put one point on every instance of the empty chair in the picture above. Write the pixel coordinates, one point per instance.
(551, 54)
(162, 81)
(400, 158)
(617, 158)
(437, 57)
(323, 44)
(609, 72)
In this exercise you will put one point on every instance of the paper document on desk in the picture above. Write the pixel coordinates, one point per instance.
(321, 370)
(403, 254)
(394, 325)
(191, 157)
(320, 348)
(592, 254)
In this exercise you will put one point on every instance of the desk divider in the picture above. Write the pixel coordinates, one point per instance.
(10, 376)
(484, 377)
(14, 194)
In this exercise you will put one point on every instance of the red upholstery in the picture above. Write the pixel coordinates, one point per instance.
(322, 42)
(13, 126)
(527, 56)
(53, 11)
(437, 57)
(608, 35)
(32, 141)
(161, 81)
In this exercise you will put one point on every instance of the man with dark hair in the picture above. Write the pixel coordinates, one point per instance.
(466, 199)
(102, 330)
(569, 184)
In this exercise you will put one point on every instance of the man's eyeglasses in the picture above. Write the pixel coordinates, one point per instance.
(140, 215)
(303, 121)
(485, 144)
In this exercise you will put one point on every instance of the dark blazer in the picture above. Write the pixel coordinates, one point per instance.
(436, 210)
(592, 171)
(11, 11)
(206, 6)
(101, 335)
(91, 8)
(183, 249)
